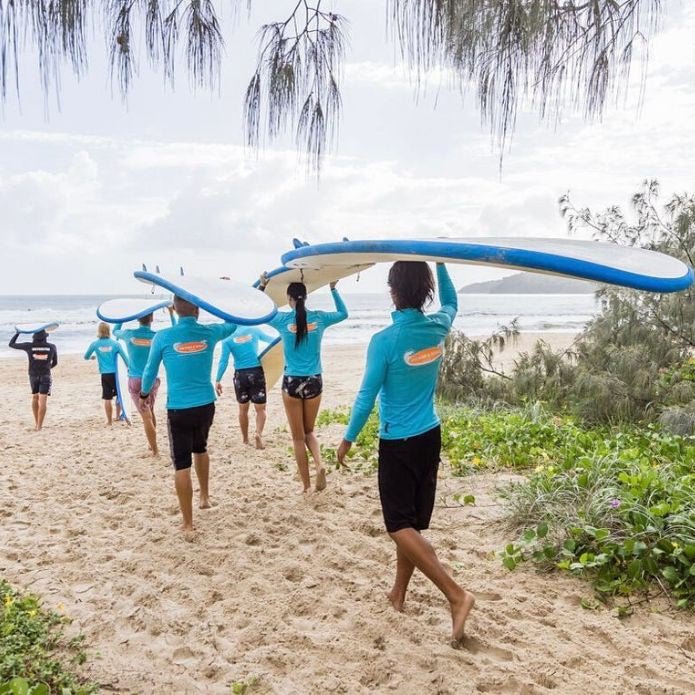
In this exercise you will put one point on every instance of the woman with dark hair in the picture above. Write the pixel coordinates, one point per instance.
(402, 369)
(301, 330)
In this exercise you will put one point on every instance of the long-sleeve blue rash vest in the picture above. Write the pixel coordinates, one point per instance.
(187, 350)
(403, 367)
(242, 346)
(106, 350)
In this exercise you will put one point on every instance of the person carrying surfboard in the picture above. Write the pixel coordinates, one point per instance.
(249, 378)
(104, 349)
(138, 342)
(301, 331)
(42, 356)
(186, 350)
(402, 370)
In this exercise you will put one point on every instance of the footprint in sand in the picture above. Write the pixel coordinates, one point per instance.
(475, 646)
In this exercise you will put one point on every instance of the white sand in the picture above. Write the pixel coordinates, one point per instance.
(285, 588)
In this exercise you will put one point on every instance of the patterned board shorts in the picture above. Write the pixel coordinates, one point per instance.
(249, 385)
(303, 387)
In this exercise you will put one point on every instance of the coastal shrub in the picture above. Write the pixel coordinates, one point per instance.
(631, 363)
(34, 650)
(621, 514)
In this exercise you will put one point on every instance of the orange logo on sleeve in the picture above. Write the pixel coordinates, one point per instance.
(292, 328)
(243, 339)
(192, 347)
(141, 342)
(426, 356)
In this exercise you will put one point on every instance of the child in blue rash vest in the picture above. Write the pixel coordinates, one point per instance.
(249, 378)
(138, 342)
(43, 356)
(105, 349)
(301, 331)
(402, 370)
(186, 350)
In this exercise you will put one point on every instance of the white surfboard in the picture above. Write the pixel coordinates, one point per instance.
(122, 310)
(273, 363)
(122, 387)
(590, 260)
(36, 327)
(313, 278)
(225, 299)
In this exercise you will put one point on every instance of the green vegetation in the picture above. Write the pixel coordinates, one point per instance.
(34, 650)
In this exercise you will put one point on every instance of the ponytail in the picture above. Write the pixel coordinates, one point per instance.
(297, 291)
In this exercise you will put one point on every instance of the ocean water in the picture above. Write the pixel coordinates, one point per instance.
(479, 315)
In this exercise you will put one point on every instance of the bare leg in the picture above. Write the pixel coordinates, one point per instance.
(295, 418)
(150, 429)
(184, 491)
(421, 554)
(108, 409)
(260, 424)
(202, 470)
(311, 409)
(35, 409)
(244, 421)
(41, 414)
(404, 571)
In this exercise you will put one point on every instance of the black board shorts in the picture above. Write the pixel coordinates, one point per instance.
(303, 387)
(40, 383)
(408, 479)
(108, 386)
(188, 433)
(249, 385)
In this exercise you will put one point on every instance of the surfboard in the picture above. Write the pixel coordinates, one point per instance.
(314, 278)
(225, 299)
(273, 363)
(126, 309)
(36, 327)
(122, 387)
(589, 260)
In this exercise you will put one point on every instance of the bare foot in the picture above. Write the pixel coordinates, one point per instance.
(397, 600)
(259, 442)
(459, 614)
(320, 479)
(245, 441)
(188, 534)
(204, 503)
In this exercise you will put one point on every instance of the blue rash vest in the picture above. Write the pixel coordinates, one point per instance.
(402, 369)
(106, 350)
(242, 345)
(138, 342)
(187, 351)
(305, 359)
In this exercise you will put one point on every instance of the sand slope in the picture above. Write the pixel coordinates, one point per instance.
(288, 589)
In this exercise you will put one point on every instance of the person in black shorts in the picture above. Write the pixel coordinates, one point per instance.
(43, 356)
(402, 371)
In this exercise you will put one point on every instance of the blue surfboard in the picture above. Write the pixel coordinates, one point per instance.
(589, 260)
(129, 308)
(122, 387)
(36, 327)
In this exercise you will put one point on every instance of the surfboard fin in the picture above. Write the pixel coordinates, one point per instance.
(144, 268)
(345, 239)
(181, 270)
(296, 243)
(156, 270)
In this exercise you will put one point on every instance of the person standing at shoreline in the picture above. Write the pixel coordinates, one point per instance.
(138, 342)
(402, 369)
(43, 357)
(186, 350)
(105, 350)
(302, 331)
(249, 378)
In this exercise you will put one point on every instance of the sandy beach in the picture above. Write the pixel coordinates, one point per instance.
(287, 589)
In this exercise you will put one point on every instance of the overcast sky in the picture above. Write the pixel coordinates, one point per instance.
(99, 187)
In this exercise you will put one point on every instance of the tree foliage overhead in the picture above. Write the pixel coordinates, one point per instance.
(553, 52)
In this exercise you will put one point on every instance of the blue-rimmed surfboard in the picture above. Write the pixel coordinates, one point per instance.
(225, 299)
(126, 309)
(590, 260)
(36, 327)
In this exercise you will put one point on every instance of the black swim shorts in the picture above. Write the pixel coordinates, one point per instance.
(408, 479)
(249, 385)
(40, 383)
(303, 387)
(108, 386)
(188, 433)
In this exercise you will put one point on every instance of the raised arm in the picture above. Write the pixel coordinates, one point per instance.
(17, 346)
(223, 330)
(374, 375)
(447, 296)
(118, 333)
(149, 374)
(224, 361)
(340, 313)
